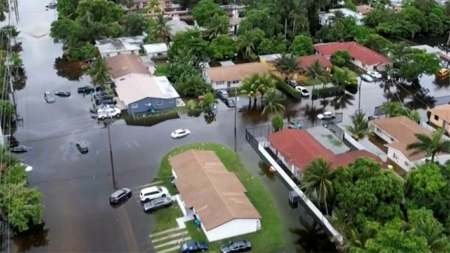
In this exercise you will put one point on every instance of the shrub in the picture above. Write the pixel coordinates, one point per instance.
(289, 90)
(277, 123)
(327, 92)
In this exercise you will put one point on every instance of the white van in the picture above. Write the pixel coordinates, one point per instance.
(108, 112)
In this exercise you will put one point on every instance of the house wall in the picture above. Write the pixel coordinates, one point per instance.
(232, 228)
(135, 52)
(294, 76)
(159, 55)
(400, 159)
(221, 85)
(292, 168)
(440, 122)
(382, 134)
(149, 103)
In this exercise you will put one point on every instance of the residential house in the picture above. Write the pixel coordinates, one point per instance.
(361, 56)
(166, 5)
(440, 117)
(213, 194)
(398, 133)
(234, 25)
(126, 65)
(228, 77)
(177, 25)
(114, 46)
(305, 61)
(363, 9)
(298, 148)
(145, 93)
(156, 51)
(325, 17)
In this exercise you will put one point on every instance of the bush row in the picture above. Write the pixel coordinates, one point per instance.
(282, 85)
(327, 92)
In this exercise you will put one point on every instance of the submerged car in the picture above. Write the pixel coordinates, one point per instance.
(367, 78)
(20, 149)
(236, 246)
(120, 196)
(374, 74)
(193, 246)
(49, 98)
(82, 147)
(62, 93)
(85, 89)
(157, 203)
(326, 115)
(179, 133)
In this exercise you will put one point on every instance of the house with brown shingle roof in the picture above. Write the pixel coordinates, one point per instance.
(213, 194)
(361, 56)
(229, 77)
(298, 148)
(125, 65)
(398, 133)
(440, 117)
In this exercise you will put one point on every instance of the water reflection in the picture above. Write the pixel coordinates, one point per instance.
(312, 237)
(311, 112)
(35, 237)
(19, 78)
(264, 167)
(342, 101)
(72, 71)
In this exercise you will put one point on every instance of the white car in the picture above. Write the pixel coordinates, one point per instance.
(108, 112)
(27, 167)
(367, 78)
(153, 192)
(179, 133)
(374, 74)
(326, 115)
(302, 90)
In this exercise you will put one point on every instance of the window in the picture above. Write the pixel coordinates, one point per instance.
(353, 59)
(148, 104)
(436, 117)
(121, 79)
(229, 82)
(134, 106)
(171, 100)
(407, 164)
(160, 102)
(378, 130)
(234, 82)
(219, 83)
(392, 139)
(167, 3)
(395, 155)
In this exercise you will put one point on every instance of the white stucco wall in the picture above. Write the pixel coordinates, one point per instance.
(223, 85)
(232, 228)
(135, 52)
(400, 159)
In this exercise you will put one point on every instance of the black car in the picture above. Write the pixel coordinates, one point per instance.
(120, 196)
(99, 88)
(229, 102)
(82, 147)
(192, 246)
(236, 246)
(292, 83)
(85, 89)
(62, 93)
(20, 149)
(106, 102)
(102, 97)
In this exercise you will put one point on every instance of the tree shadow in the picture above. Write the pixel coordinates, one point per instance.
(311, 237)
(311, 112)
(342, 101)
(35, 237)
(72, 71)
(264, 167)
(19, 78)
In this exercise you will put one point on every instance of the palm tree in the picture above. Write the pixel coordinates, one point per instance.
(100, 72)
(246, 45)
(216, 26)
(430, 144)
(288, 64)
(317, 181)
(391, 109)
(360, 125)
(266, 83)
(250, 87)
(337, 20)
(399, 51)
(431, 230)
(345, 77)
(158, 29)
(342, 223)
(272, 103)
(153, 6)
(72, 44)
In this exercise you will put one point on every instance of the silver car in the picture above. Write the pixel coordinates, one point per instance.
(49, 98)
(157, 203)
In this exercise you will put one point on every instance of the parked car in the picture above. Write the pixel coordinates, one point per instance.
(108, 112)
(49, 98)
(85, 89)
(236, 246)
(302, 90)
(229, 102)
(99, 97)
(153, 192)
(222, 93)
(27, 167)
(20, 149)
(366, 78)
(106, 102)
(99, 88)
(294, 125)
(193, 246)
(292, 83)
(374, 74)
(51, 5)
(62, 93)
(120, 196)
(82, 147)
(157, 203)
(326, 115)
(179, 133)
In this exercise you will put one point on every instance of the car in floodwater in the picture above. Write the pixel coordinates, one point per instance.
(49, 98)
(179, 133)
(20, 149)
(62, 93)
(193, 246)
(82, 147)
(86, 89)
(120, 196)
(157, 203)
(236, 246)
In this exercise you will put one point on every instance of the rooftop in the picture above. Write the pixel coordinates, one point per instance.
(177, 25)
(364, 9)
(428, 49)
(138, 87)
(309, 59)
(357, 51)
(270, 57)
(299, 147)
(114, 45)
(402, 129)
(155, 48)
(443, 111)
(215, 193)
(125, 64)
(235, 72)
(348, 12)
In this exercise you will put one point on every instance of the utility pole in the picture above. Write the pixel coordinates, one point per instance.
(235, 113)
(108, 123)
(359, 89)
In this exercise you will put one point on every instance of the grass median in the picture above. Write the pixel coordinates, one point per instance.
(269, 238)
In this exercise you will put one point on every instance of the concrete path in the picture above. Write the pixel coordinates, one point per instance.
(169, 240)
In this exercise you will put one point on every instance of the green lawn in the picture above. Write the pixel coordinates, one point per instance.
(161, 69)
(269, 238)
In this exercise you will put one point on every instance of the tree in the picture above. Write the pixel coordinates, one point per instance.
(223, 47)
(416, 63)
(261, 19)
(8, 110)
(317, 181)
(60, 27)
(315, 71)
(207, 104)
(153, 6)
(288, 65)
(67, 8)
(250, 87)
(217, 24)
(272, 103)
(190, 43)
(248, 42)
(205, 10)
(15, 174)
(277, 123)
(191, 84)
(360, 125)
(344, 77)
(302, 45)
(430, 144)
(159, 30)
(100, 11)
(21, 205)
(394, 109)
(341, 58)
(7, 159)
(134, 24)
(100, 72)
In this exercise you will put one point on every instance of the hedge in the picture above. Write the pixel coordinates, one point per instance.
(327, 92)
(282, 85)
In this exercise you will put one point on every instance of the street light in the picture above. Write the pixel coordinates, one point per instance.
(235, 113)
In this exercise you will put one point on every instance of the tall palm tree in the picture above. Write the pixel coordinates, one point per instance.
(399, 51)
(246, 46)
(288, 64)
(216, 26)
(317, 181)
(431, 229)
(266, 83)
(100, 72)
(430, 144)
(250, 87)
(360, 125)
(153, 7)
(159, 30)
(272, 103)
(391, 109)
(337, 20)
(345, 77)
(315, 71)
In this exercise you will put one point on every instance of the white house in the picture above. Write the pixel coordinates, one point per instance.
(222, 208)
(361, 56)
(324, 17)
(398, 132)
(114, 46)
(229, 77)
(158, 50)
